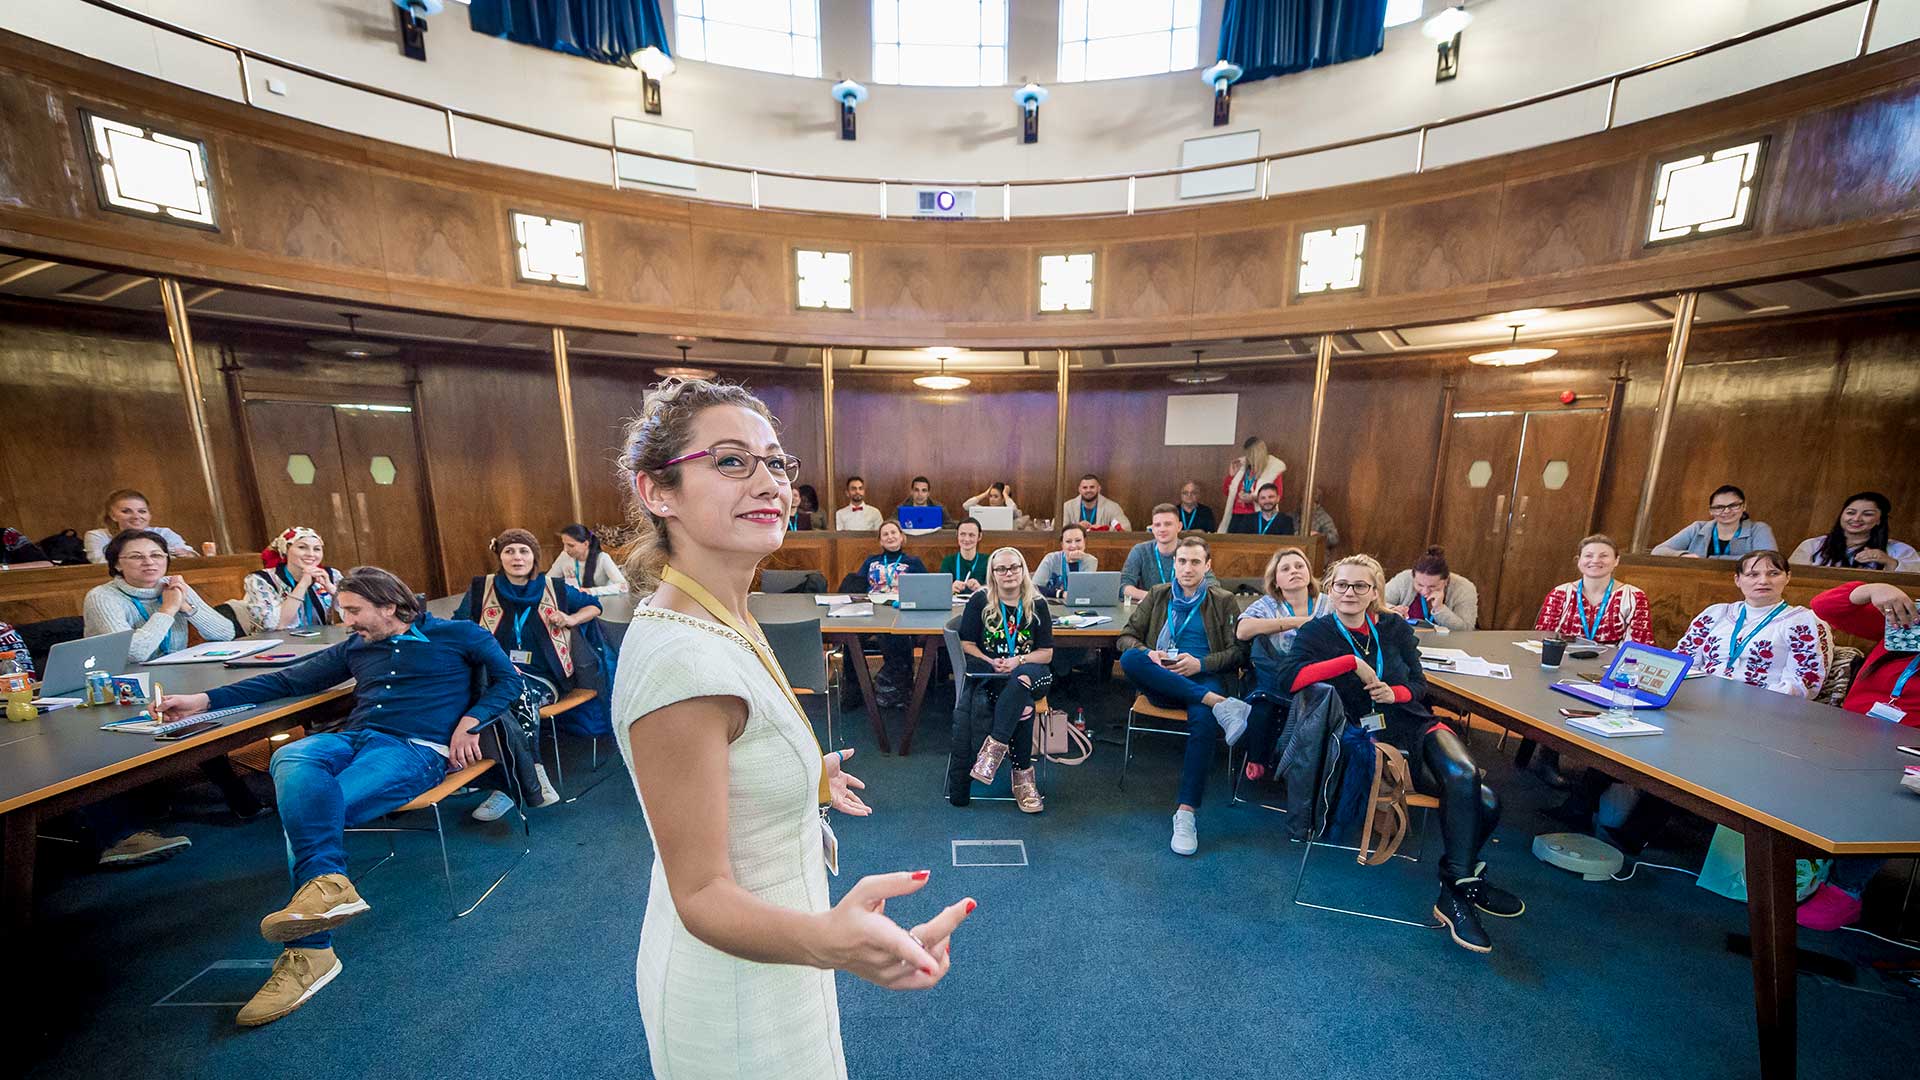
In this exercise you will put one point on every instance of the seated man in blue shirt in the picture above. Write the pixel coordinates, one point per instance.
(413, 718)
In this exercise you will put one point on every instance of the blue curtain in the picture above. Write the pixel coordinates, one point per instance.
(1277, 37)
(609, 31)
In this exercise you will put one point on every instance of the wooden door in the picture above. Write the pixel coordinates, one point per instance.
(1553, 492)
(302, 480)
(387, 493)
(1476, 496)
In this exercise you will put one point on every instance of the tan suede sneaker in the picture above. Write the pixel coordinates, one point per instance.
(297, 975)
(143, 848)
(328, 902)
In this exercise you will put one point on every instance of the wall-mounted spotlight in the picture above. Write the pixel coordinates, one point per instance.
(1029, 97)
(654, 64)
(848, 93)
(1221, 76)
(412, 21)
(1445, 29)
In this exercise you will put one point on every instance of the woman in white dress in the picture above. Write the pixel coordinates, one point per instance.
(740, 938)
(1762, 640)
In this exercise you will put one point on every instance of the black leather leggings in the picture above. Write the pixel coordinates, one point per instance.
(1469, 809)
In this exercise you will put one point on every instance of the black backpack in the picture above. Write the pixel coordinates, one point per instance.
(65, 548)
(16, 548)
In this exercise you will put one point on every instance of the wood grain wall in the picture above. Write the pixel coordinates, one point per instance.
(888, 431)
(330, 214)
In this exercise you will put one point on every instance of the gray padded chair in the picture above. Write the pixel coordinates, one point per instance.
(1004, 781)
(802, 655)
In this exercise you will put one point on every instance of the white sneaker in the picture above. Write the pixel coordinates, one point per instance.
(1186, 838)
(548, 793)
(1232, 714)
(494, 808)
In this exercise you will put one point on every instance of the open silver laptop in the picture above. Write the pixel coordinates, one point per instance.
(926, 592)
(993, 518)
(1094, 588)
(69, 662)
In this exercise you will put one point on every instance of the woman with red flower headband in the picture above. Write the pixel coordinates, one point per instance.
(296, 589)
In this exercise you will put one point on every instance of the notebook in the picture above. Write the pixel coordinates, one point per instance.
(1614, 727)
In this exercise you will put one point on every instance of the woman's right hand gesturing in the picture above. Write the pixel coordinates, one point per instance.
(862, 940)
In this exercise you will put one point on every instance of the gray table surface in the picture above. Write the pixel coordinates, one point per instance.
(796, 607)
(66, 744)
(1821, 774)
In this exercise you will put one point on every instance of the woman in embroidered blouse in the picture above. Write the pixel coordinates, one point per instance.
(295, 590)
(1859, 539)
(584, 566)
(1005, 629)
(1762, 640)
(1596, 607)
(1291, 600)
(142, 597)
(1730, 533)
(127, 509)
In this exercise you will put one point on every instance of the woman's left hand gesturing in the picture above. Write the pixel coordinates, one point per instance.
(841, 785)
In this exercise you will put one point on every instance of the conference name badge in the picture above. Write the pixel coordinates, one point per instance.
(1373, 721)
(1888, 711)
(520, 656)
(829, 845)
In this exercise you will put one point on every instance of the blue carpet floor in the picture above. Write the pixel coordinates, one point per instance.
(1106, 956)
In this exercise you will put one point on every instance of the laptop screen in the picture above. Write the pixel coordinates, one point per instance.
(1660, 671)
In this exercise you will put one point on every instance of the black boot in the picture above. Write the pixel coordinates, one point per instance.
(1491, 898)
(1455, 909)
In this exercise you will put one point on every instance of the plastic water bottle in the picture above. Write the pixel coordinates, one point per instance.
(1080, 720)
(1626, 681)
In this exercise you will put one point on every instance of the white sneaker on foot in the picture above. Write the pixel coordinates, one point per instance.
(494, 808)
(548, 793)
(1232, 714)
(1186, 837)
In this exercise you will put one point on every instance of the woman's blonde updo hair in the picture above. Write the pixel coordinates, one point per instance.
(656, 436)
(1372, 566)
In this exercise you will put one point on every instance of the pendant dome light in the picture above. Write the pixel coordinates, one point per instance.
(1514, 355)
(942, 381)
(1196, 377)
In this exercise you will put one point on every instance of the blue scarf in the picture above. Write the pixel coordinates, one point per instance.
(1180, 611)
(527, 595)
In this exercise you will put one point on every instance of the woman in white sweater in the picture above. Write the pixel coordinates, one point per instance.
(141, 597)
(584, 566)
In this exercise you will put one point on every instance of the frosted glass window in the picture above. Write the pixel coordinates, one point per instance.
(1479, 474)
(1114, 39)
(382, 469)
(1705, 193)
(300, 469)
(1554, 476)
(1401, 12)
(940, 42)
(781, 36)
(824, 279)
(1066, 282)
(550, 250)
(150, 173)
(1332, 259)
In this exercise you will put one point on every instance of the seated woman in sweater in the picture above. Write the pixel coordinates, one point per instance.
(1291, 599)
(532, 618)
(1179, 649)
(295, 589)
(584, 566)
(1761, 639)
(1050, 577)
(1371, 659)
(1005, 629)
(968, 565)
(1859, 538)
(1729, 533)
(127, 509)
(1888, 688)
(881, 572)
(1430, 594)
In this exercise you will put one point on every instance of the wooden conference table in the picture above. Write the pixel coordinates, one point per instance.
(63, 760)
(1798, 779)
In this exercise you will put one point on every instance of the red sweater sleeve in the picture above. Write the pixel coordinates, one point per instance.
(1836, 606)
(1323, 670)
(1401, 695)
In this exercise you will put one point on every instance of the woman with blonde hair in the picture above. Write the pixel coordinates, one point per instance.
(1370, 658)
(741, 937)
(1007, 630)
(1291, 599)
(127, 509)
(1254, 469)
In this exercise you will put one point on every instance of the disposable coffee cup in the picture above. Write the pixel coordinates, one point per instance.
(1552, 651)
(209, 548)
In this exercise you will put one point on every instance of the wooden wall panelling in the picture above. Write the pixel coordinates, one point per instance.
(1558, 223)
(634, 261)
(1000, 428)
(438, 232)
(318, 214)
(1242, 270)
(1440, 245)
(1377, 450)
(900, 282)
(1849, 162)
(990, 284)
(1150, 278)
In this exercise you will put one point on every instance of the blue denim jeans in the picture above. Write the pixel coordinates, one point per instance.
(1165, 688)
(329, 782)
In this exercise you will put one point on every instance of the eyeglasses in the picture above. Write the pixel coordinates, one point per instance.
(1721, 508)
(1353, 587)
(742, 464)
(1006, 569)
(132, 557)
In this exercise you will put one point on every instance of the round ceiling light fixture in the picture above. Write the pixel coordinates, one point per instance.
(1196, 377)
(942, 381)
(683, 370)
(1514, 355)
(353, 346)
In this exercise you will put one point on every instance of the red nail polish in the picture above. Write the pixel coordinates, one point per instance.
(928, 971)
(921, 875)
(970, 906)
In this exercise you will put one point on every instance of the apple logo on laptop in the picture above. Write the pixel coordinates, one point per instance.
(88, 666)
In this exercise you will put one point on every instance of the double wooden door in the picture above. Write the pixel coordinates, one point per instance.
(1516, 495)
(352, 472)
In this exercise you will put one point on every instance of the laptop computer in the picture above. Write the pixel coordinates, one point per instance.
(1661, 673)
(69, 662)
(922, 517)
(926, 592)
(993, 518)
(1094, 588)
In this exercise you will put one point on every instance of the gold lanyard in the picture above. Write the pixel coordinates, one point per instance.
(699, 594)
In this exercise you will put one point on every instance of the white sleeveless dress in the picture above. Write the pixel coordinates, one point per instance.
(708, 1014)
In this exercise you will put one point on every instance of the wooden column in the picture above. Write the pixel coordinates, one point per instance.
(1322, 368)
(1060, 494)
(1663, 416)
(563, 377)
(175, 306)
(829, 495)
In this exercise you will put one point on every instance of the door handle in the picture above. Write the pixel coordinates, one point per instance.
(341, 520)
(1499, 515)
(1520, 515)
(360, 519)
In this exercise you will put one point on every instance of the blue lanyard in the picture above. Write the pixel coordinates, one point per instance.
(966, 573)
(1426, 607)
(1165, 568)
(1247, 480)
(519, 625)
(1089, 515)
(411, 633)
(1181, 627)
(1373, 638)
(1013, 627)
(1717, 546)
(1591, 629)
(140, 607)
(893, 562)
(1739, 644)
(1900, 684)
(1187, 517)
(1266, 522)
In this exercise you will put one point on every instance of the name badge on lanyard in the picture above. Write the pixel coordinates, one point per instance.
(1889, 711)
(520, 654)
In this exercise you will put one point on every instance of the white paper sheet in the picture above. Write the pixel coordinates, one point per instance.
(214, 651)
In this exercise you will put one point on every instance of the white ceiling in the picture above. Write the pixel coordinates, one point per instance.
(40, 279)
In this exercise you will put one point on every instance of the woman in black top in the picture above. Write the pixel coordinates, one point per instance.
(1370, 657)
(1005, 629)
